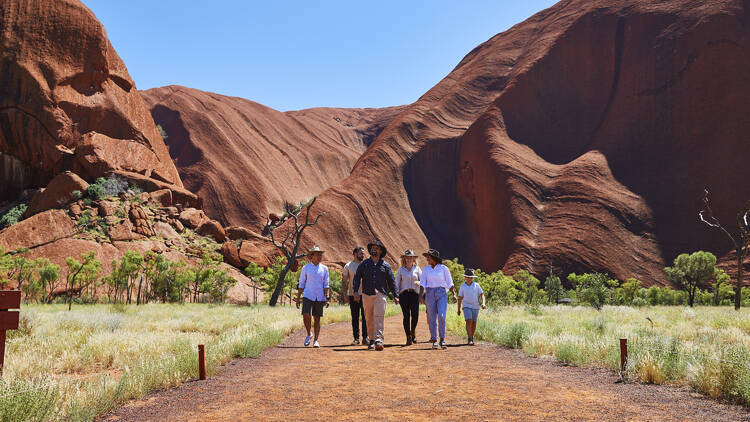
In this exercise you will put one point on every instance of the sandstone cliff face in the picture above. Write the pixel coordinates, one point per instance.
(67, 101)
(581, 138)
(244, 159)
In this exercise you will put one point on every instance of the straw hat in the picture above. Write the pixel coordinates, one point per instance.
(408, 253)
(314, 249)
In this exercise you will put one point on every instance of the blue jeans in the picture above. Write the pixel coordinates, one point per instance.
(437, 302)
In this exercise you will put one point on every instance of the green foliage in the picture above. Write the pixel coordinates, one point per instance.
(592, 288)
(13, 215)
(76, 195)
(457, 271)
(498, 288)
(554, 288)
(692, 271)
(722, 293)
(95, 191)
(529, 285)
(81, 275)
(106, 187)
(162, 132)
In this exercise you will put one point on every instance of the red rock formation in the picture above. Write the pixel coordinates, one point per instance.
(581, 138)
(59, 193)
(67, 101)
(244, 159)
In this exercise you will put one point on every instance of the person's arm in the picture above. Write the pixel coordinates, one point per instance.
(421, 294)
(460, 298)
(399, 278)
(327, 288)
(345, 283)
(391, 282)
(482, 296)
(358, 280)
(449, 279)
(301, 285)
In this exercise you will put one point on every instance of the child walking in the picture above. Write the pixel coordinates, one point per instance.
(468, 297)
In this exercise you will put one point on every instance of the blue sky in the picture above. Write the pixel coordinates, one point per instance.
(292, 55)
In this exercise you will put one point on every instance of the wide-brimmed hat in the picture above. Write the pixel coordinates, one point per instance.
(470, 273)
(382, 247)
(314, 249)
(433, 253)
(408, 253)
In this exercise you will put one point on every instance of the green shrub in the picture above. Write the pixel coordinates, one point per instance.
(95, 191)
(13, 215)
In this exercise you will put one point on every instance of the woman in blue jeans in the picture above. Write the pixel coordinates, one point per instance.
(436, 282)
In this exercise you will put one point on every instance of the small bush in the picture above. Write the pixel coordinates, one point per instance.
(12, 216)
(76, 195)
(95, 191)
(514, 335)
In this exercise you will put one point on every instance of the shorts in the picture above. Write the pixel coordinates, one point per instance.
(314, 307)
(471, 314)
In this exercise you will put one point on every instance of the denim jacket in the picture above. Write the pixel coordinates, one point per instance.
(375, 276)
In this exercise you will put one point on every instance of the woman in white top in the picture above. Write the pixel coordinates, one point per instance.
(407, 282)
(435, 282)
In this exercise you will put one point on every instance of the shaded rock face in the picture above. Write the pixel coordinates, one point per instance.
(580, 139)
(59, 192)
(244, 159)
(67, 101)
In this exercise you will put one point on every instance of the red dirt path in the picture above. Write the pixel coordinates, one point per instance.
(484, 382)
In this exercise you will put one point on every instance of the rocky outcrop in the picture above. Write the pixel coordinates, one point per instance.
(67, 101)
(580, 139)
(40, 229)
(59, 192)
(245, 159)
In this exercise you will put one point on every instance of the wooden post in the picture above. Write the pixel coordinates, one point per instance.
(201, 362)
(9, 299)
(623, 355)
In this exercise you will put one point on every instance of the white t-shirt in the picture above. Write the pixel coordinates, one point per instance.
(439, 276)
(470, 295)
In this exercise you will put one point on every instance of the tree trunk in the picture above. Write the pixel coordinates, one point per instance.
(738, 287)
(138, 297)
(280, 283)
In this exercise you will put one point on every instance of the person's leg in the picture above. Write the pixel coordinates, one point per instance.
(414, 308)
(365, 333)
(307, 319)
(379, 316)
(406, 312)
(368, 301)
(442, 307)
(354, 310)
(317, 327)
(431, 313)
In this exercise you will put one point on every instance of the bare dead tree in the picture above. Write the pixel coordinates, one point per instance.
(740, 242)
(290, 244)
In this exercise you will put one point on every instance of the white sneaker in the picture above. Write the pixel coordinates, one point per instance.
(316, 344)
(307, 340)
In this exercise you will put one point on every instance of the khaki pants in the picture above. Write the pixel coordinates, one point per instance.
(374, 314)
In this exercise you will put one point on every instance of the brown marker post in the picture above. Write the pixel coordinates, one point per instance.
(9, 299)
(623, 355)
(201, 362)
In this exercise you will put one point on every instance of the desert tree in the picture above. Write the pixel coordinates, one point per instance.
(740, 241)
(691, 272)
(290, 243)
(81, 274)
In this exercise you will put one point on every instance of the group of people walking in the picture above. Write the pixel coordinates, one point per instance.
(367, 283)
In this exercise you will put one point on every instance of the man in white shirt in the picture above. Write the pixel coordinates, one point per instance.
(435, 282)
(355, 306)
(314, 287)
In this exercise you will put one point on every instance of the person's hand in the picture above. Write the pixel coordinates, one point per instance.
(356, 298)
(346, 299)
(328, 302)
(454, 297)
(395, 299)
(297, 302)
(422, 301)
(459, 311)
(484, 307)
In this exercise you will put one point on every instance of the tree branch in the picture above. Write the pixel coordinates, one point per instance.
(707, 216)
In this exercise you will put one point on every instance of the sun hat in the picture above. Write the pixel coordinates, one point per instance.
(314, 249)
(435, 254)
(382, 247)
(470, 273)
(408, 253)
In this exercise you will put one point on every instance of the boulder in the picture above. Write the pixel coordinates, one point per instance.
(240, 233)
(75, 210)
(123, 231)
(170, 211)
(165, 231)
(140, 220)
(231, 254)
(250, 253)
(107, 208)
(177, 226)
(162, 197)
(192, 218)
(57, 194)
(213, 229)
(39, 229)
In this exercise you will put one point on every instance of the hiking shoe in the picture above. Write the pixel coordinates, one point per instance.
(355, 342)
(443, 345)
(471, 342)
(408, 341)
(307, 340)
(372, 345)
(366, 340)
(434, 345)
(316, 344)
(379, 346)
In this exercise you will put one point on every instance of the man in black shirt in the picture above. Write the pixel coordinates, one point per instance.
(377, 280)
